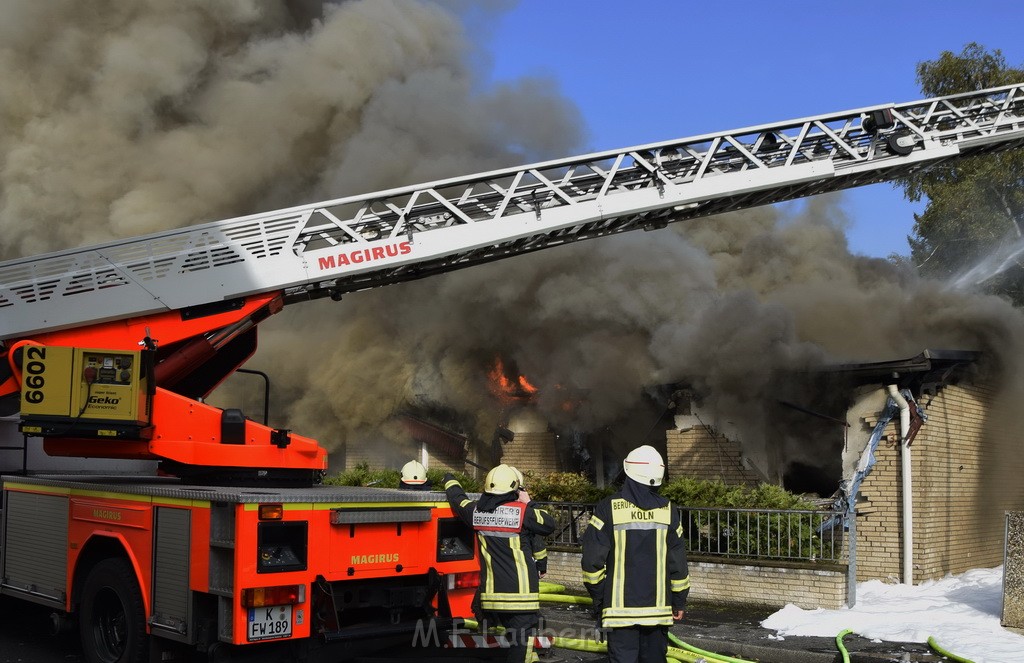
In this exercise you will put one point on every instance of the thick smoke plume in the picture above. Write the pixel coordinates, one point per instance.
(125, 118)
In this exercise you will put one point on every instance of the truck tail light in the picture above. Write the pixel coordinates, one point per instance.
(271, 511)
(260, 597)
(464, 580)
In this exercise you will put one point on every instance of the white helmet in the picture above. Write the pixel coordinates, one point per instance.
(414, 473)
(519, 475)
(500, 480)
(645, 465)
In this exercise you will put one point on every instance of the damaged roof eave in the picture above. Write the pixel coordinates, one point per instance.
(926, 361)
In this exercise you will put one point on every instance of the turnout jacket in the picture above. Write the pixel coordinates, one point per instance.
(539, 546)
(508, 574)
(634, 562)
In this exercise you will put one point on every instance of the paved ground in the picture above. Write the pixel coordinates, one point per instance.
(736, 632)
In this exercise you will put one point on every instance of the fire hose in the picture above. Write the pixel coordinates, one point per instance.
(682, 651)
(593, 646)
(711, 656)
(953, 657)
(552, 593)
(931, 643)
(839, 643)
(566, 598)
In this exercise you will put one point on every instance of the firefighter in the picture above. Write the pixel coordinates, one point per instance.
(414, 476)
(634, 562)
(538, 544)
(504, 520)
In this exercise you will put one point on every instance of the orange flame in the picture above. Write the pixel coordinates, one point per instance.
(509, 388)
(525, 385)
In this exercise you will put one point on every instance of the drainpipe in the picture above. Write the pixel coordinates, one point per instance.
(908, 486)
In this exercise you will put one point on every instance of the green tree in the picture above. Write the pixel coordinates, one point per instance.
(974, 206)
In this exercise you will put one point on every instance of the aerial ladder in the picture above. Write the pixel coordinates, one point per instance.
(109, 350)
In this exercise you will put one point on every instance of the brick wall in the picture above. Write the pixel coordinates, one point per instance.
(532, 452)
(437, 461)
(392, 455)
(771, 586)
(956, 526)
(946, 459)
(700, 454)
(395, 455)
(879, 521)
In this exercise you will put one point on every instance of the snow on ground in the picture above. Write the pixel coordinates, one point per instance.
(961, 612)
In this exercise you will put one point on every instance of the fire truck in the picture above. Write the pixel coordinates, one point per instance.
(109, 351)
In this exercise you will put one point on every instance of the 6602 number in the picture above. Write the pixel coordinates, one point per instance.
(34, 367)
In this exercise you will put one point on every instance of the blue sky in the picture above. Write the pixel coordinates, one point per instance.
(653, 70)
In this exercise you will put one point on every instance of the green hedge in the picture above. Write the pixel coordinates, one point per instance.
(728, 533)
(563, 487)
(576, 487)
(363, 475)
(771, 534)
(743, 534)
(700, 492)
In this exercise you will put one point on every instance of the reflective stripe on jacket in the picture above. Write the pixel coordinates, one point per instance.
(634, 563)
(508, 574)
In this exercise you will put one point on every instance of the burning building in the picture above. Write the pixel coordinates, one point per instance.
(357, 97)
(909, 445)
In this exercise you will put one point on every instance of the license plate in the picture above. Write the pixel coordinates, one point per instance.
(271, 622)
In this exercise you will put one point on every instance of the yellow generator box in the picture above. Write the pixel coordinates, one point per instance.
(82, 387)
(46, 384)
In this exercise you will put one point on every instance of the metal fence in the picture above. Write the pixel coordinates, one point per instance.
(768, 534)
(572, 519)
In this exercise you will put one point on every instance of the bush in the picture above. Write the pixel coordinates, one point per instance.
(576, 487)
(741, 533)
(703, 493)
(564, 487)
(362, 475)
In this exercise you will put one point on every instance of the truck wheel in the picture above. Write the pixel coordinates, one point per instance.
(112, 620)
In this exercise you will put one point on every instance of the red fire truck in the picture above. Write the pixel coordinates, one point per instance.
(108, 352)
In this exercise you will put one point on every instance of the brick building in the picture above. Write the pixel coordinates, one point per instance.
(839, 415)
(700, 452)
(956, 520)
(843, 413)
(417, 437)
(957, 523)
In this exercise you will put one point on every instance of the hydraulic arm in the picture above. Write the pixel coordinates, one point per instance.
(202, 290)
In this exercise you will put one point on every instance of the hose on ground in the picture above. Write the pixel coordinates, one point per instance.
(580, 645)
(693, 653)
(595, 647)
(839, 643)
(566, 598)
(674, 654)
(552, 593)
(710, 655)
(951, 656)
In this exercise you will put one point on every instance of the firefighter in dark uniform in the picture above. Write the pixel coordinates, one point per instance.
(538, 544)
(414, 476)
(634, 563)
(504, 519)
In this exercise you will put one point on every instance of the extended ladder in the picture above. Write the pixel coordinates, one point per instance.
(358, 242)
